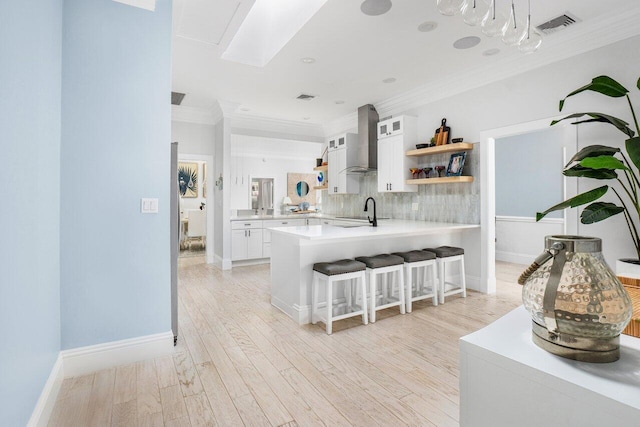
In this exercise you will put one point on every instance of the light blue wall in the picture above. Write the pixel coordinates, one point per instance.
(116, 119)
(30, 67)
(529, 173)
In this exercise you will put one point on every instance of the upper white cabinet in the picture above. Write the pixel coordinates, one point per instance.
(395, 126)
(342, 153)
(395, 137)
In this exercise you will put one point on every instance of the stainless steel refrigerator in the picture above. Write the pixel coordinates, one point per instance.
(175, 239)
(262, 195)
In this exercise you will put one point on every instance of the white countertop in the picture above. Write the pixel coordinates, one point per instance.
(390, 227)
(510, 337)
(280, 216)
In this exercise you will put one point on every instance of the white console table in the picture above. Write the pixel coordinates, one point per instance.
(506, 380)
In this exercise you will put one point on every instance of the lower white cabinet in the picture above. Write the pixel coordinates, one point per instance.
(246, 244)
(246, 240)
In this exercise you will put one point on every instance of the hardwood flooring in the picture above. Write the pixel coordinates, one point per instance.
(239, 361)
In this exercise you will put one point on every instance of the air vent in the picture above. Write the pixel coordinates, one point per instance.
(176, 98)
(305, 97)
(559, 23)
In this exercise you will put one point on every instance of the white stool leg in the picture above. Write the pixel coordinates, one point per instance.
(441, 272)
(347, 294)
(329, 304)
(462, 279)
(408, 289)
(372, 290)
(363, 291)
(314, 297)
(434, 283)
(401, 290)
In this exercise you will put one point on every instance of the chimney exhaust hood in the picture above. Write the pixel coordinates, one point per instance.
(367, 141)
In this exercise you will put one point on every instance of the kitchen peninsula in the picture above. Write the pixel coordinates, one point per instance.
(294, 250)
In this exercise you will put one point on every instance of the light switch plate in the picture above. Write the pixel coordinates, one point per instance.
(414, 206)
(148, 206)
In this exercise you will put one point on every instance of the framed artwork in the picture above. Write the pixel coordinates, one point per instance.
(188, 179)
(300, 187)
(204, 180)
(456, 163)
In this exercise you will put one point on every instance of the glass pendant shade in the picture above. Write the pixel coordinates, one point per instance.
(493, 22)
(473, 12)
(450, 7)
(513, 30)
(531, 40)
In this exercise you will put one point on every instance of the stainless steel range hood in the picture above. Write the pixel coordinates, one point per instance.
(367, 141)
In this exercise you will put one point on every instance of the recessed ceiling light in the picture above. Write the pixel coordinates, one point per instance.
(308, 60)
(466, 42)
(389, 80)
(306, 118)
(491, 52)
(427, 26)
(244, 109)
(375, 7)
(339, 102)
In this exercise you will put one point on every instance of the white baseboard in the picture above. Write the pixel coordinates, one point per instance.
(47, 400)
(515, 258)
(473, 282)
(79, 361)
(246, 262)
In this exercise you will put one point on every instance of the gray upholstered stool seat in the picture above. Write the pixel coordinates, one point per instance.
(380, 261)
(446, 255)
(446, 251)
(416, 256)
(416, 286)
(340, 305)
(385, 265)
(339, 267)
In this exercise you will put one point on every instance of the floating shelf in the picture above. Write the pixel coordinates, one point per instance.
(322, 168)
(443, 180)
(447, 148)
(320, 187)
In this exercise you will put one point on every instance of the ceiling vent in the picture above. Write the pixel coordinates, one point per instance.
(305, 97)
(558, 23)
(176, 98)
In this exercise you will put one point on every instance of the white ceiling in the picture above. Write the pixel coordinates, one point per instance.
(355, 52)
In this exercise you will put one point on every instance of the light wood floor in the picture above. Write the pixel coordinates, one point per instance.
(239, 361)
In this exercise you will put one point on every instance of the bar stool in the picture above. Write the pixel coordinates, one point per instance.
(341, 272)
(384, 264)
(446, 255)
(416, 260)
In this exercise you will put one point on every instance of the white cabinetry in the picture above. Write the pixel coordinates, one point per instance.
(395, 137)
(266, 234)
(342, 153)
(246, 240)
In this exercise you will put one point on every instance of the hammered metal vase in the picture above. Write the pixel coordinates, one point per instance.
(578, 305)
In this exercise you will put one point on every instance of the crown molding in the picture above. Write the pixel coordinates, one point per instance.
(574, 41)
(142, 4)
(280, 126)
(195, 115)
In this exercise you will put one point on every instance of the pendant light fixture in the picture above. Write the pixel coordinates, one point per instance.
(530, 40)
(450, 7)
(513, 30)
(492, 23)
(472, 12)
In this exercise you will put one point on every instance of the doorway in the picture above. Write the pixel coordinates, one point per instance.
(567, 137)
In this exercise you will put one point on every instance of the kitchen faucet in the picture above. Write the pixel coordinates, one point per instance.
(373, 221)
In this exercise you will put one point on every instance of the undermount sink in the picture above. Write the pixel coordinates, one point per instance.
(350, 226)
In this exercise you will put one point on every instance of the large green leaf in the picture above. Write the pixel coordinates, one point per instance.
(603, 162)
(593, 151)
(633, 149)
(599, 211)
(582, 172)
(602, 84)
(620, 124)
(580, 199)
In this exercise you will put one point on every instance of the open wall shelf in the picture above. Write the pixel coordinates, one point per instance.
(447, 148)
(443, 180)
(322, 168)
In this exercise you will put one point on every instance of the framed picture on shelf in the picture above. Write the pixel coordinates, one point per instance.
(456, 163)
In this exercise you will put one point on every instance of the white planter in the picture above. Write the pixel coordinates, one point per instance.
(627, 269)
